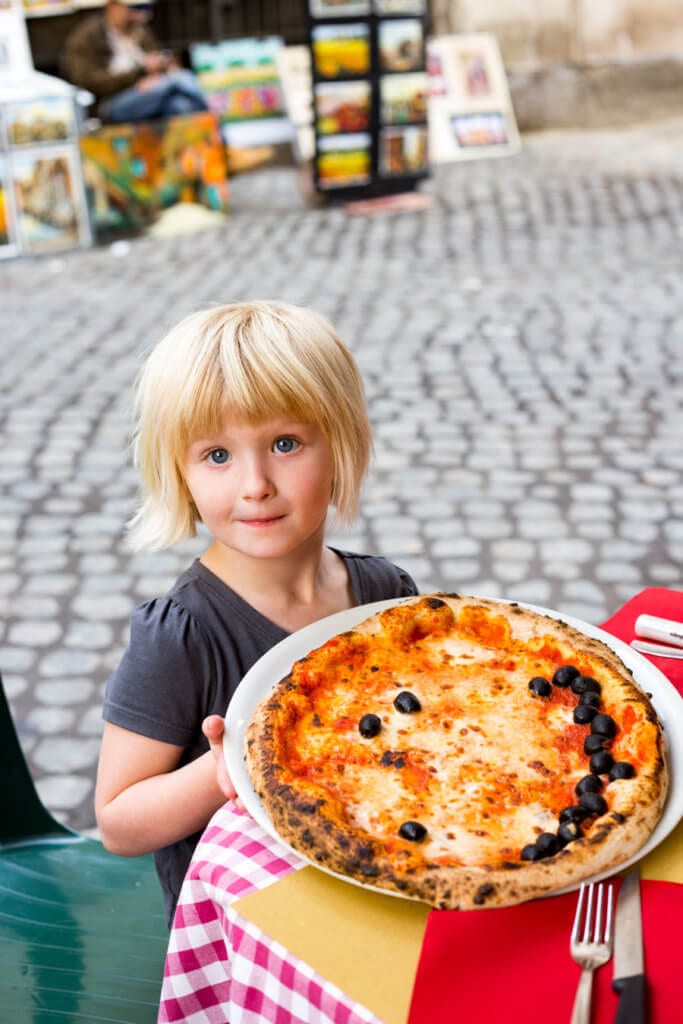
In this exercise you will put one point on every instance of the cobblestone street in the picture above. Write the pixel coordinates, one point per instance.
(522, 346)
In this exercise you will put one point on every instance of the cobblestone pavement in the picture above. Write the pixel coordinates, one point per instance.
(522, 345)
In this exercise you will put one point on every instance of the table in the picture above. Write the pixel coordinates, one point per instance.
(259, 937)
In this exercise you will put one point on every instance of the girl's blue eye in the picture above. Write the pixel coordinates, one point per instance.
(284, 445)
(219, 456)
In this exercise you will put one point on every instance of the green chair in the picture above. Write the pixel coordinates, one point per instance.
(82, 932)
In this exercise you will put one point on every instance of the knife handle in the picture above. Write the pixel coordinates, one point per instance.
(632, 992)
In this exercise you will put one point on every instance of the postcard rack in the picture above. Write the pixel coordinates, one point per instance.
(369, 79)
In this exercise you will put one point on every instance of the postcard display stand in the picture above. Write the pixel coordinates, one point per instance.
(369, 77)
(42, 196)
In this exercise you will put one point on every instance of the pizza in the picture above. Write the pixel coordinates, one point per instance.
(461, 751)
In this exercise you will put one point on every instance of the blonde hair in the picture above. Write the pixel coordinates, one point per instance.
(254, 360)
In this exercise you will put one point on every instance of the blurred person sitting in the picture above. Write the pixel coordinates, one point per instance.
(114, 55)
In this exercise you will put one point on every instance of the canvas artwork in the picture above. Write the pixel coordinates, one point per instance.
(133, 171)
(344, 160)
(338, 8)
(340, 50)
(7, 220)
(294, 68)
(47, 187)
(404, 98)
(480, 129)
(471, 113)
(403, 151)
(48, 6)
(45, 119)
(342, 107)
(401, 44)
(400, 6)
(239, 78)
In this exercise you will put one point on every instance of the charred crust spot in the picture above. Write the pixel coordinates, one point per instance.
(618, 818)
(511, 865)
(369, 870)
(434, 602)
(482, 893)
(316, 720)
(392, 759)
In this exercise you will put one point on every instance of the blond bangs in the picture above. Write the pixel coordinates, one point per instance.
(250, 361)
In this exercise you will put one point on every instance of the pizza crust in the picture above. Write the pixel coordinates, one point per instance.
(324, 825)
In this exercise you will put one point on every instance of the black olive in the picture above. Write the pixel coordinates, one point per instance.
(593, 743)
(590, 697)
(547, 844)
(369, 726)
(564, 675)
(601, 763)
(574, 813)
(540, 686)
(584, 713)
(593, 802)
(568, 832)
(584, 683)
(588, 784)
(530, 852)
(621, 770)
(407, 703)
(412, 830)
(603, 725)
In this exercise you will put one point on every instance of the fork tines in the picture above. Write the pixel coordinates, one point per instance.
(585, 903)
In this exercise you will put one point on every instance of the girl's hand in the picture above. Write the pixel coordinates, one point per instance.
(213, 728)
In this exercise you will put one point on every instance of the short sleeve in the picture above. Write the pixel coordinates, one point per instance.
(160, 688)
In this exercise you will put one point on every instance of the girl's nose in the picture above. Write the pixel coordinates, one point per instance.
(256, 484)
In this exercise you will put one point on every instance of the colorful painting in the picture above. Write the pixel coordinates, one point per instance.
(342, 107)
(403, 151)
(51, 213)
(480, 129)
(404, 98)
(340, 50)
(401, 44)
(343, 160)
(133, 171)
(239, 78)
(7, 227)
(48, 119)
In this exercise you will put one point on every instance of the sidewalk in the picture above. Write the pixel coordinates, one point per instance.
(522, 346)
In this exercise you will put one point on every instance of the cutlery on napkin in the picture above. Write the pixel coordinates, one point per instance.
(629, 976)
(667, 633)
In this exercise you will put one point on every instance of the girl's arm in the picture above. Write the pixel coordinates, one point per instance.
(143, 801)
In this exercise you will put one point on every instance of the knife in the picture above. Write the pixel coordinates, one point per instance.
(629, 977)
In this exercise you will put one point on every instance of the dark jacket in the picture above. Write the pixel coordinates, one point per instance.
(88, 53)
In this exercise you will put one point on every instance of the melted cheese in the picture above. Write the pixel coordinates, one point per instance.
(485, 765)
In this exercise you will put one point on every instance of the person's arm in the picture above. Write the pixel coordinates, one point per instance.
(143, 801)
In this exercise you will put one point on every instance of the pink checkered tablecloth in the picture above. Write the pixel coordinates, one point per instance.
(220, 968)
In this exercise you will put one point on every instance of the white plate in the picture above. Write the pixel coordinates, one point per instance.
(278, 661)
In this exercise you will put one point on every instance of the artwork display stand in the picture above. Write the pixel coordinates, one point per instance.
(369, 82)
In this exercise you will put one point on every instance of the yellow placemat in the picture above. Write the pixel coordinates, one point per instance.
(665, 863)
(365, 943)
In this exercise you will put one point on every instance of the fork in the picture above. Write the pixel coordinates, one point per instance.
(591, 942)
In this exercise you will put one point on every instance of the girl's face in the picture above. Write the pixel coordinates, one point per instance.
(263, 489)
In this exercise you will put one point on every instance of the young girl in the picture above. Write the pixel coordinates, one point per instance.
(251, 419)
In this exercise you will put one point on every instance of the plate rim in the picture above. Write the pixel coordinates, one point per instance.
(246, 697)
